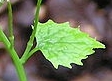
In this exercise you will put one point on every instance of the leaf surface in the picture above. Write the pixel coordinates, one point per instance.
(62, 44)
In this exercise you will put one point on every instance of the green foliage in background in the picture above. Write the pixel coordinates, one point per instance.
(1, 2)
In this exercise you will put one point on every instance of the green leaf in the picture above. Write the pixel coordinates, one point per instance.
(62, 44)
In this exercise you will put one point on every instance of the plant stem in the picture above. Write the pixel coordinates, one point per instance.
(30, 42)
(9, 44)
(10, 23)
(18, 65)
(30, 54)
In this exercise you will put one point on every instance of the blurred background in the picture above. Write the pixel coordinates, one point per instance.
(94, 17)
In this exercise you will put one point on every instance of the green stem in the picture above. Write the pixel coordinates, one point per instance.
(30, 42)
(30, 54)
(9, 44)
(10, 23)
(18, 65)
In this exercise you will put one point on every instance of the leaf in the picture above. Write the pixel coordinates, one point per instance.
(63, 45)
